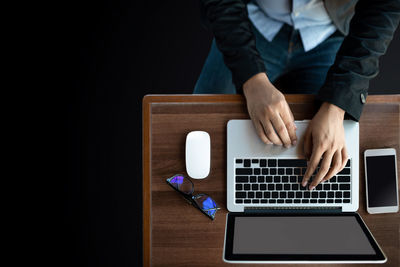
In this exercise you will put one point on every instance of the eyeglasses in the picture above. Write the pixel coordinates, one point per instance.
(201, 201)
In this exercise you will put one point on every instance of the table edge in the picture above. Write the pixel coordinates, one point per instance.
(213, 98)
(146, 220)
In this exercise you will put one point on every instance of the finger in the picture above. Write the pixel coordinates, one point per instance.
(307, 144)
(270, 132)
(335, 166)
(316, 155)
(260, 132)
(288, 120)
(323, 170)
(280, 128)
(345, 158)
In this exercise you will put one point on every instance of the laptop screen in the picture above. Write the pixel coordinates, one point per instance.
(300, 237)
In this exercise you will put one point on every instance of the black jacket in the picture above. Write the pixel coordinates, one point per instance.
(368, 36)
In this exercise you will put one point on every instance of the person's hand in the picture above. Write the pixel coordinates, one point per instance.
(269, 111)
(325, 138)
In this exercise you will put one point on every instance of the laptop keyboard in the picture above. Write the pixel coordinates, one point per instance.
(273, 181)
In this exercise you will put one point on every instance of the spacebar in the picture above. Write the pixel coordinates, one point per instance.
(292, 163)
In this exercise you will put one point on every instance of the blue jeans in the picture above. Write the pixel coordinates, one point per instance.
(285, 60)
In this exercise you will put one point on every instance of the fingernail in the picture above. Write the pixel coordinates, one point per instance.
(304, 184)
(294, 142)
(311, 187)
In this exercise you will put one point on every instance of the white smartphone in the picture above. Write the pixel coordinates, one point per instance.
(381, 180)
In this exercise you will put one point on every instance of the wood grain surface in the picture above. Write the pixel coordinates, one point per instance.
(174, 232)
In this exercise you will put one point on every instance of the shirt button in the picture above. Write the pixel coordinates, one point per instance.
(362, 96)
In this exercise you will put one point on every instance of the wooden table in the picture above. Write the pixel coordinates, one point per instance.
(177, 234)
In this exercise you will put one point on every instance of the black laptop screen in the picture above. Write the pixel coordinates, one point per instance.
(294, 237)
(299, 235)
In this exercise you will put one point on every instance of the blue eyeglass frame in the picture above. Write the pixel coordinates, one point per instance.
(190, 198)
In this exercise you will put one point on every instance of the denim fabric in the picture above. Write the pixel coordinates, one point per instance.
(283, 57)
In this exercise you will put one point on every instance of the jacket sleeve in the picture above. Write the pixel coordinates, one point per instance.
(357, 61)
(234, 37)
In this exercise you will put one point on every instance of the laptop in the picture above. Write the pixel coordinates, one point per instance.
(273, 219)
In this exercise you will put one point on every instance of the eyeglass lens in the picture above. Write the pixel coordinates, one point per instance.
(207, 204)
(182, 184)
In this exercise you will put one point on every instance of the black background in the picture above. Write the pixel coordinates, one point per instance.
(118, 52)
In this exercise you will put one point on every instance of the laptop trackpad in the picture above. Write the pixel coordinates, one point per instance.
(292, 237)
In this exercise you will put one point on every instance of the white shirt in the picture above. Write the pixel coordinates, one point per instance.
(308, 16)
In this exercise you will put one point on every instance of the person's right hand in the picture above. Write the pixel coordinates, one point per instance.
(269, 111)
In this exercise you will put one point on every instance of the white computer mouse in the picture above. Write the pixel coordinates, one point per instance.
(198, 154)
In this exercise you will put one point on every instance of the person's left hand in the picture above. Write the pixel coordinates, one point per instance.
(325, 138)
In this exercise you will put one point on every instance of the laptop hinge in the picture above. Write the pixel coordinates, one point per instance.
(293, 210)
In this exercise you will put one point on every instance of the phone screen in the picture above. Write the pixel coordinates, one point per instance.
(381, 176)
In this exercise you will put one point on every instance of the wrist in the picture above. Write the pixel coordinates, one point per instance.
(260, 80)
(333, 109)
